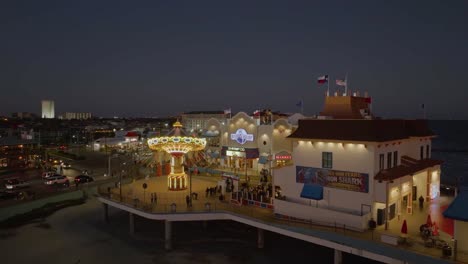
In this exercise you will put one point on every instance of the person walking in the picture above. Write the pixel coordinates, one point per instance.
(421, 202)
(187, 200)
(155, 199)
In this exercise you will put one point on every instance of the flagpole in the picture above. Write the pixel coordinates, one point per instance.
(302, 107)
(424, 111)
(346, 84)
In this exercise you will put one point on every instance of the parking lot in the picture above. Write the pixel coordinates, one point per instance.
(95, 165)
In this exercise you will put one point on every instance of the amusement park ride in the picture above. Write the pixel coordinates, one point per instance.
(177, 143)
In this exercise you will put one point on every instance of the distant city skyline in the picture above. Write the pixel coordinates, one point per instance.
(166, 58)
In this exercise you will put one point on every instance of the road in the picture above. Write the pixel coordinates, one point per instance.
(95, 163)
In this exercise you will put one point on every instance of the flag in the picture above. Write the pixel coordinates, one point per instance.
(299, 104)
(227, 111)
(422, 106)
(256, 113)
(322, 79)
(368, 100)
(341, 82)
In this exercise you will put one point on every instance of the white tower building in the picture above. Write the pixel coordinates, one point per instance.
(48, 109)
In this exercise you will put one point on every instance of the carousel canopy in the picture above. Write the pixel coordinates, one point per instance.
(177, 141)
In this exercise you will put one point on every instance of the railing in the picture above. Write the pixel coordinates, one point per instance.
(176, 203)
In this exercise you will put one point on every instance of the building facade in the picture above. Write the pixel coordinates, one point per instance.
(48, 109)
(195, 121)
(349, 171)
(245, 145)
(76, 115)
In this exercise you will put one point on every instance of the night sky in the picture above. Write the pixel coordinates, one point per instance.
(158, 58)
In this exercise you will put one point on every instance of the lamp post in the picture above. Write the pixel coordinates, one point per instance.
(120, 181)
(270, 159)
(387, 202)
(190, 190)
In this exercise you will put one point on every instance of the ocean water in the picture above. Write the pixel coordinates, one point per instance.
(451, 146)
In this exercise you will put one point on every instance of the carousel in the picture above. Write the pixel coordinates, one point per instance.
(177, 143)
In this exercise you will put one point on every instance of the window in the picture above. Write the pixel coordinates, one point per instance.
(421, 152)
(395, 158)
(381, 161)
(389, 160)
(327, 160)
(427, 152)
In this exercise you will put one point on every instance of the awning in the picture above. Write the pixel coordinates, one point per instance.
(263, 159)
(312, 191)
(457, 209)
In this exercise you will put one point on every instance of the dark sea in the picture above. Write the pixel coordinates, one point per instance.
(451, 146)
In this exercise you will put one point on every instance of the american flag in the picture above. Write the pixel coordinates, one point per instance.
(341, 82)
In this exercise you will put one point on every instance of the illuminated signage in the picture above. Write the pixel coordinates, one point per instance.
(235, 153)
(236, 149)
(282, 157)
(346, 180)
(241, 136)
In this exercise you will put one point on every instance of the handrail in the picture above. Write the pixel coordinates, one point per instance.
(213, 205)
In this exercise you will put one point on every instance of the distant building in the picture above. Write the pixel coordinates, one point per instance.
(48, 109)
(23, 115)
(195, 121)
(75, 115)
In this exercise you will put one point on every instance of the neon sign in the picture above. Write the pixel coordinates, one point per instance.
(241, 136)
(283, 157)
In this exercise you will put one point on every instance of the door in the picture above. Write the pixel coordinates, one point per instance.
(380, 216)
(392, 212)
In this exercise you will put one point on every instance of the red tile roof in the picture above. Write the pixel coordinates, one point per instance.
(408, 166)
(374, 130)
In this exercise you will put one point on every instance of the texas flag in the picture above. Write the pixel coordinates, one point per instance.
(322, 79)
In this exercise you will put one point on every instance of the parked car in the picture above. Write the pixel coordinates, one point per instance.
(16, 184)
(7, 195)
(83, 179)
(66, 165)
(57, 180)
(49, 174)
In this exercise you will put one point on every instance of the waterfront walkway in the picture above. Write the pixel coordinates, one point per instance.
(172, 206)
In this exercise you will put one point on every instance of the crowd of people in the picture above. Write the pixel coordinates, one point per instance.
(261, 193)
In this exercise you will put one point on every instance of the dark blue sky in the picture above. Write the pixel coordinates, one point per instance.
(157, 58)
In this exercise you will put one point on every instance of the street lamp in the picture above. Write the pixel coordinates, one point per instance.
(190, 194)
(120, 181)
(387, 202)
